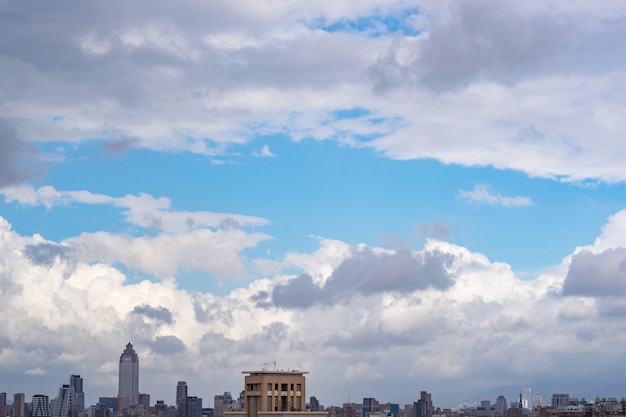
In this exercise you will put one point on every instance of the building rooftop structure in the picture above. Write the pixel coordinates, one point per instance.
(275, 393)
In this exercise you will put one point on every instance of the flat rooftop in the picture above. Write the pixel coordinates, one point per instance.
(276, 372)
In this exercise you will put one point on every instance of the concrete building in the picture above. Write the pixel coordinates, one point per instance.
(129, 377)
(114, 403)
(144, 401)
(559, 400)
(3, 404)
(193, 407)
(501, 404)
(19, 405)
(218, 406)
(181, 392)
(424, 406)
(275, 394)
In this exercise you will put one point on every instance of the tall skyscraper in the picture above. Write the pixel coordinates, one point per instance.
(76, 383)
(181, 399)
(501, 403)
(424, 406)
(40, 406)
(526, 399)
(129, 376)
(3, 404)
(19, 406)
(181, 392)
(63, 402)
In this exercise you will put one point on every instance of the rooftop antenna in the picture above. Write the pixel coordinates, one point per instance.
(274, 364)
(265, 366)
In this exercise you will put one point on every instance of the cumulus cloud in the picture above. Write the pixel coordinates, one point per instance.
(46, 253)
(597, 274)
(353, 312)
(156, 313)
(482, 194)
(163, 255)
(167, 345)
(366, 272)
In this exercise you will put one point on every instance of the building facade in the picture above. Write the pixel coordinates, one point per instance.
(275, 394)
(76, 383)
(3, 404)
(129, 377)
(19, 405)
(63, 402)
(40, 406)
(181, 392)
(424, 406)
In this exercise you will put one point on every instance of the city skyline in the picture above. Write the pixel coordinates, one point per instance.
(395, 195)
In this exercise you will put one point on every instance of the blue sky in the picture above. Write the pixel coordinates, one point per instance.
(320, 189)
(411, 193)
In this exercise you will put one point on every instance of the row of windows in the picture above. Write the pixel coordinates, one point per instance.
(283, 387)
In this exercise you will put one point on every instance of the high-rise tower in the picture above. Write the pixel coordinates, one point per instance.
(3, 404)
(181, 399)
(129, 376)
(19, 404)
(63, 402)
(40, 406)
(76, 382)
(181, 392)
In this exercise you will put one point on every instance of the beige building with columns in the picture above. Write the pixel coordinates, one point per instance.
(275, 394)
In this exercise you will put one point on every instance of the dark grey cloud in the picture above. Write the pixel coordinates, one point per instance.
(367, 273)
(46, 253)
(597, 274)
(612, 306)
(118, 146)
(167, 345)
(161, 314)
(488, 40)
(300, 292)
(15, 154)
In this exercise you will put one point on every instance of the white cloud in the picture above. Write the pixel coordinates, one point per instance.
(467, 90)
(265, 152)
(483, 194)
(141, 210)
(482, 328)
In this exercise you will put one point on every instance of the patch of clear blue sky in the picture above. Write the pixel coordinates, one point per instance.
(323, 189)
(353, 113)
(377, 24)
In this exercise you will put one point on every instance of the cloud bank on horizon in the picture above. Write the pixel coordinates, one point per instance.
(392, 195)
